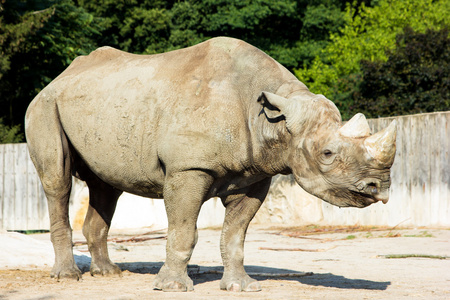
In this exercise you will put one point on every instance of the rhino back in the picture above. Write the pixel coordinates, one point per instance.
(143, 115)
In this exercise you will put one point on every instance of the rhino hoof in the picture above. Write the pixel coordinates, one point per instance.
(173, 286)
(66, 273)
(245, 285)
(173, 283)
(106, 270)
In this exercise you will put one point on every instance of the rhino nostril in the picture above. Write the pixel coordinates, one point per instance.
(372, 187)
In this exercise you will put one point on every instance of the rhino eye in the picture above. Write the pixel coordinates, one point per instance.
(327, 153)
(327, 157)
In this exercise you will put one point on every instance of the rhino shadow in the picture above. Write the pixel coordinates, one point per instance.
(141, 267)
(202, 274)
(341, 282)
(83, 262)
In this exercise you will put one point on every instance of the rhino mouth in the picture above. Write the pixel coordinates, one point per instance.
(368, 192)
(364, 199)
(352, 198)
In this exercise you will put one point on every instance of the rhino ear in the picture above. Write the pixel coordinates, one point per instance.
(273, 105)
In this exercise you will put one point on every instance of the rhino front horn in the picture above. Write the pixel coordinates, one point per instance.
(356, 127)
(381, 145)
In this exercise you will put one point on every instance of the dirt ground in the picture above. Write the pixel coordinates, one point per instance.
(291, 263)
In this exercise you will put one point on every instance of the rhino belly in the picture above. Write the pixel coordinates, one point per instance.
(117, 148)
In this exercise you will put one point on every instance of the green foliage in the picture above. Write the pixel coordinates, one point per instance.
(39, 38)
(372, 31)
(367, 34)
(36, 46)
(318, 23)
(131, 25)
(414, 79)
(324, 41)
(10, 134)
(157, 26)
(15, 27)
(269, 25)
(421, 234)
(292, 32)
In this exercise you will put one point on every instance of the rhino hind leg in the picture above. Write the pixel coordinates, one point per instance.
(61, 235)
(240, 210)
(50, 153)
(102, 204)
(184, 194)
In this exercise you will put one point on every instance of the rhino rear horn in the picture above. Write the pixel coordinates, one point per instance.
(381, 145)
(356, 127)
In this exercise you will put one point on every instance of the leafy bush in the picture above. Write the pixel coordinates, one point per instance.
(10, 134)
(414, 79)
(38, 45)
(367, 34)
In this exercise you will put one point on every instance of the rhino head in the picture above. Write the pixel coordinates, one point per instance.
(343, 165)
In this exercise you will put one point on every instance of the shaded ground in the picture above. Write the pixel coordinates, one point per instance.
(346, 264)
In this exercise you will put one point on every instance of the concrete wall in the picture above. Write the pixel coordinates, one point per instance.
(419, 195)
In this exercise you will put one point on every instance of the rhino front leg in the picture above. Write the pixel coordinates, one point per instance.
(102, 204)
(240, 210)
(184, 194)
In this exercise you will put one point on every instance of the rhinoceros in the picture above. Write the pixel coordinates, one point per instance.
(218, 119)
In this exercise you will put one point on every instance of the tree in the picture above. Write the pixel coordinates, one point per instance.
(367, 34)
(15, 28)
(414, 79)
(10, 134)
(135, 26)
(290, 31)
(153, 26)
(38, 40)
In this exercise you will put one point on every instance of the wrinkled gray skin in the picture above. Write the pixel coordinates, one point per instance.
(216, 119)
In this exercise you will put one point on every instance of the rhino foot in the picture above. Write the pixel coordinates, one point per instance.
(61, 272)
(174, 285)
(166, 281)
(106, 269)
(245, 284)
